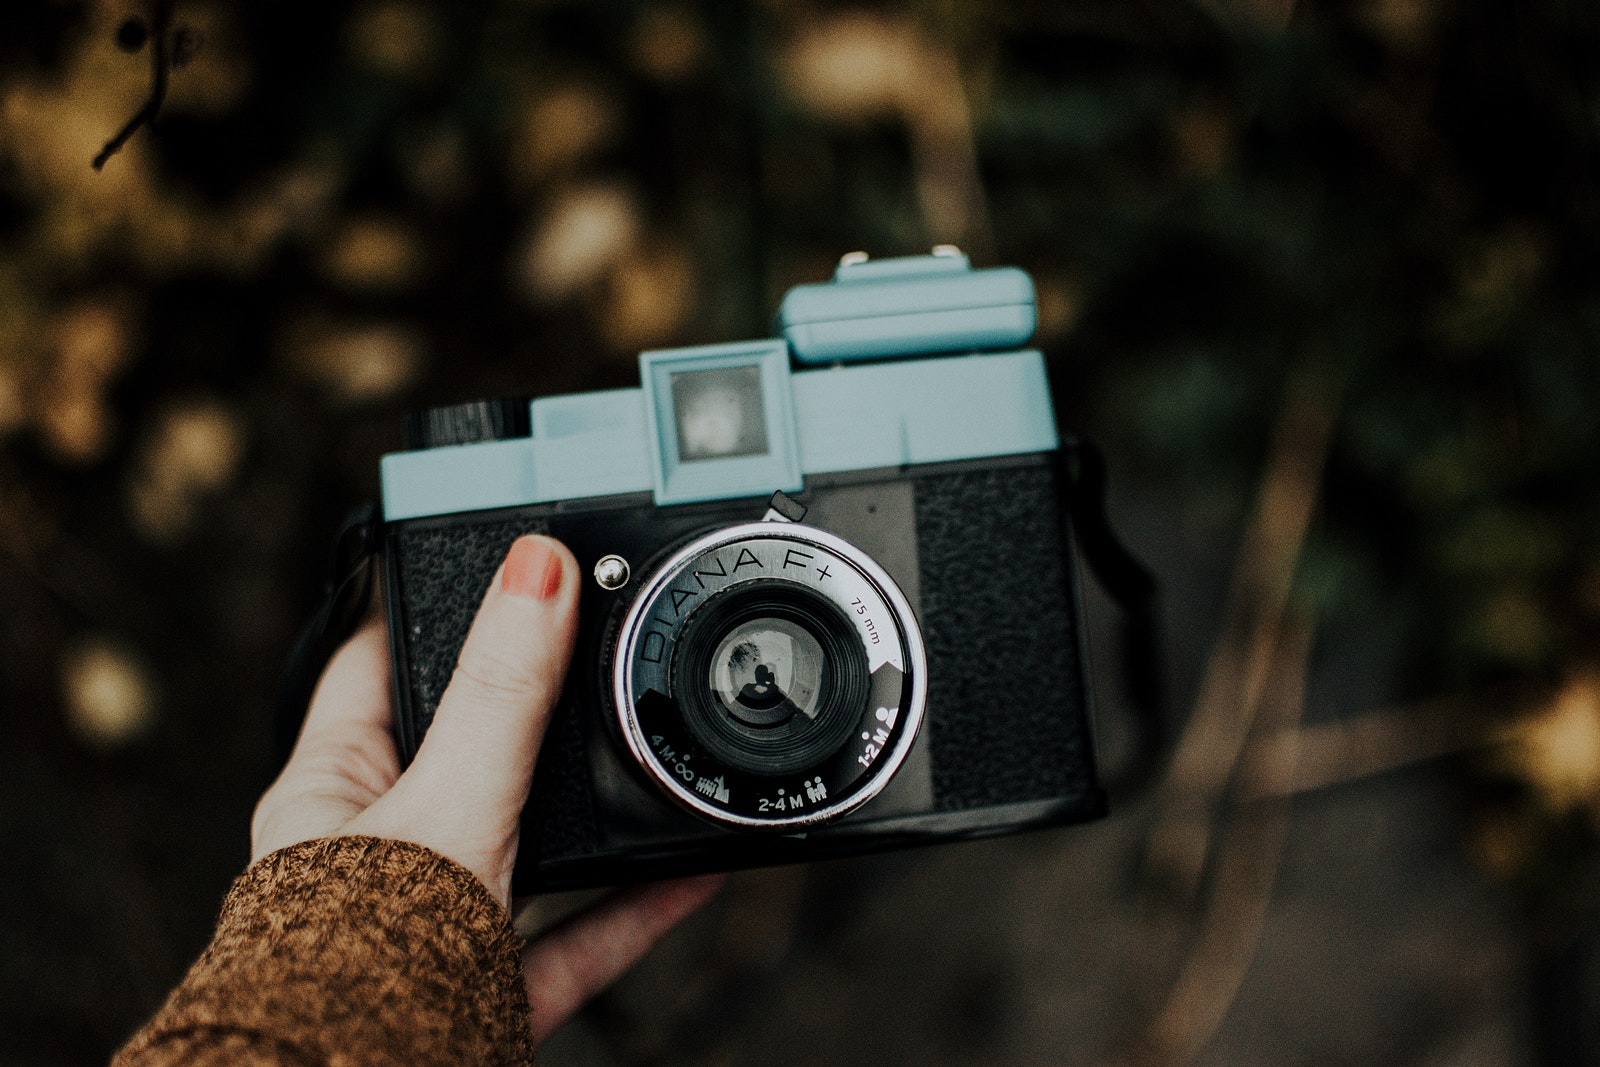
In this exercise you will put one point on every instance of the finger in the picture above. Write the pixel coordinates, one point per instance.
(569, 964)
(462, 796)
(354, 698)
(481, 746)
(345, 756)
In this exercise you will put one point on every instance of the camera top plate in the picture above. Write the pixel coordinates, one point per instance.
(860, 417)
(723, 422)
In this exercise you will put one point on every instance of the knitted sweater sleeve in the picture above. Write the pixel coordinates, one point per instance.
(346, 952)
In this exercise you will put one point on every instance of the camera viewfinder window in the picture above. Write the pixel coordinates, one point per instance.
(719, 413)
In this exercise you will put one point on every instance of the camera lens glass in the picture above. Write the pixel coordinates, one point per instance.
(770, 677)
(767, 671)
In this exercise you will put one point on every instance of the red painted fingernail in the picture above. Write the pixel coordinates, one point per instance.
(533, 569)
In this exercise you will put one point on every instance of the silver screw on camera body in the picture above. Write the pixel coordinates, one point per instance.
(611, 572)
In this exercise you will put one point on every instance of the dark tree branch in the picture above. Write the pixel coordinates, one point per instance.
(160, 20)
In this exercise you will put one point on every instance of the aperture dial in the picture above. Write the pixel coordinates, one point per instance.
(769, 676)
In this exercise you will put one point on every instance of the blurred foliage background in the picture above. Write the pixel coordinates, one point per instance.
(1322, 278)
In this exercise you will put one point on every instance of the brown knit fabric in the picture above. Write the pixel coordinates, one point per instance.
(346, 952)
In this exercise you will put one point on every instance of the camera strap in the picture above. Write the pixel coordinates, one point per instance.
(1134, 589)
(344, 603)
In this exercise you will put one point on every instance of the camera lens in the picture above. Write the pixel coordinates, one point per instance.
(766, 672)
(770, 678)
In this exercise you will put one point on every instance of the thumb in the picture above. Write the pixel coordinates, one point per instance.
(463, 793)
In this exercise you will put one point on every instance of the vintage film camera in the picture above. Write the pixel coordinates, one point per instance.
(830, 601)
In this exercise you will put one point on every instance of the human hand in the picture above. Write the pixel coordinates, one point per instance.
(462, 796)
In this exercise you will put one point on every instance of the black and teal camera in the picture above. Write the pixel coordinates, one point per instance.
(830, 603)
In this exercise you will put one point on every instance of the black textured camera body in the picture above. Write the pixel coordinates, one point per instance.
(983, 552)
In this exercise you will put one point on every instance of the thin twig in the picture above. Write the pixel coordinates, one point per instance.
(1385, 739)
(1246, 872)
(1258, 599)
(160, 19)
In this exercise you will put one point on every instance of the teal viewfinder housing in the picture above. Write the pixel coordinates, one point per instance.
(721, 422)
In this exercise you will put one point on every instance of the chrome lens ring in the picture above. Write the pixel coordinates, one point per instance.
(649, 684)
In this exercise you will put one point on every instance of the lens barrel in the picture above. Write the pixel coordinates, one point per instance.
(769, 676)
